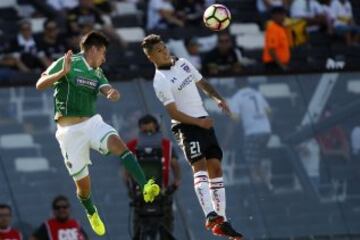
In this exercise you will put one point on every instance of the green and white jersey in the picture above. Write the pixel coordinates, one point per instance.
(76, 93)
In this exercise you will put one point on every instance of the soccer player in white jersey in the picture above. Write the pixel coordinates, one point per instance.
(176, 84)
(251, 107)
(77, 81)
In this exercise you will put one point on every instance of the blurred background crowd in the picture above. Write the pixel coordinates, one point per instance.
(322, 35)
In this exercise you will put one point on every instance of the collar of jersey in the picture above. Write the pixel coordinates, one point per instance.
(5, 230)
(86, 63)
(168, 67)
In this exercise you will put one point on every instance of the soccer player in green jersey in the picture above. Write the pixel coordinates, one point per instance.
(77, 79)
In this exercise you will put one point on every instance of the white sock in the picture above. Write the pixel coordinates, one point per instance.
(201, 186)
(218, 195)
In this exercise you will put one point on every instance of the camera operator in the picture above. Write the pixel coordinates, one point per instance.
(156, 156)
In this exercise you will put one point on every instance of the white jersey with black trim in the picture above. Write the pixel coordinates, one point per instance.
(252, 107)
(177, 83)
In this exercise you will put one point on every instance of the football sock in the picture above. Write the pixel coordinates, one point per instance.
(132, 166)
(88, 204)
(218, 197)
(201, 186)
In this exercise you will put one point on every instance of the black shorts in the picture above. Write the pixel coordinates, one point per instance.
(197, 143)
(254, 146)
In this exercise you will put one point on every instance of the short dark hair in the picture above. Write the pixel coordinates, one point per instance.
(24, 22)
(59, 198)
(148, 118)
(5, 206)
(191, 41)
(47, 21)
(277, 10)
(93, 38)
(224, 33)
(149, 41)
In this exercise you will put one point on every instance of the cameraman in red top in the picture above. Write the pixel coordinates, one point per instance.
(156, 156)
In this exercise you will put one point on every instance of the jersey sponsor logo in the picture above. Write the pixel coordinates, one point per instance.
(84, 82)
(186, 82)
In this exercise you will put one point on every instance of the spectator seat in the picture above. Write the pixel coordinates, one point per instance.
(253, 41)
(353, 86)
(244, 28)
(125, 8)
(18, 140)
(275, 90)
(7, 3)
(37, 25)
(131, 34)
(31, 164)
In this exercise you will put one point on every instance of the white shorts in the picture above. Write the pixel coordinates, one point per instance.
(76, 140)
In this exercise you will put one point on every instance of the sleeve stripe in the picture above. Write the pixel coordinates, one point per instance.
(168, 102)
(105, 84)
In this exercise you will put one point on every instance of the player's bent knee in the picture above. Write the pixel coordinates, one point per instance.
(115, 145)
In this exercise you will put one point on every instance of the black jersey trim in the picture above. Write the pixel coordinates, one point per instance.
(168, 66)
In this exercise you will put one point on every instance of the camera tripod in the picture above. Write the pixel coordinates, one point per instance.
(151, 220)
(153, 229)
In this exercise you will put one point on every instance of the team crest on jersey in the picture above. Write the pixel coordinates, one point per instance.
(98, 73)
(85, 82)
(186, 68)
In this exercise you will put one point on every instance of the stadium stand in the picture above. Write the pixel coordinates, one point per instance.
(322, 52)
(289, 210)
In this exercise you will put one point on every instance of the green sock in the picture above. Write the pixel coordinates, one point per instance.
(88, 204)
(132, 166)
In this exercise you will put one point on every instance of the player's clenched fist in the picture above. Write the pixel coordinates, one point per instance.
(224, 107)
(113, 95)
(205, 123)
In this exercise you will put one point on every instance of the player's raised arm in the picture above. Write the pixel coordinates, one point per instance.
(210, 91)
(184, 118)
(47, 79)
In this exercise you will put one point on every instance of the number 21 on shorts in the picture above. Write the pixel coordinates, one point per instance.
(195, 149)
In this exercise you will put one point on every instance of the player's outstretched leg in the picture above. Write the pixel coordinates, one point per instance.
(218, 197)
(117, 147)
(83, 185)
